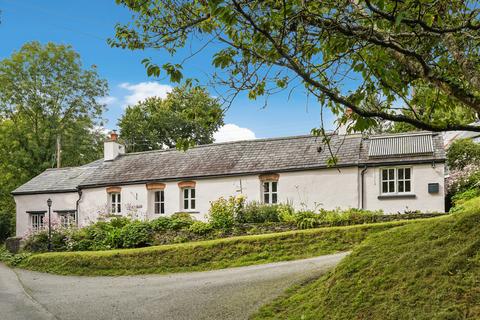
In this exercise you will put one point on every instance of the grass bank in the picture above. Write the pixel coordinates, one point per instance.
(427, 270)
(207, 255)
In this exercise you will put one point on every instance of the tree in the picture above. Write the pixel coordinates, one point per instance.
(187, 116)
(463, 152)
(48, 102)
(50, 98)
(420, 59)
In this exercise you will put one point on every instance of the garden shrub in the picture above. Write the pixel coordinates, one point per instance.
(12, 259)
(255, 212)
(136, 234)
(286, 213)
(460, 198)
(200, 228)
(463, 152)
(307, 219)
(180, 220)
(223, 212)
(39, 240)
(160, 224)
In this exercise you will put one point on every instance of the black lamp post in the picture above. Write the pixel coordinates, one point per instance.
(49, 204)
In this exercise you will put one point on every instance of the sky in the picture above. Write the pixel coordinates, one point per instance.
(86, 25)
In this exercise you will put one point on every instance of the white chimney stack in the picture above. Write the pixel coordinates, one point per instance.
(111, 147)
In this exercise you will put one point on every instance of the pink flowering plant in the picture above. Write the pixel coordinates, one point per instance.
(463, 184)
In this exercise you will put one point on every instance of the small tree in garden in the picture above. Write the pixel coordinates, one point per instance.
(462, 153)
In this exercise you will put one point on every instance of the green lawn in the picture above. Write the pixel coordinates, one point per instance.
(207, 255)
(426, 270)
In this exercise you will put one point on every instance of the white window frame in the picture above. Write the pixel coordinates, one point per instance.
(37, 221)
(189, 199)
(115, 202)
(267, 191)
(396, 180)
(160, 202)
(67, 219)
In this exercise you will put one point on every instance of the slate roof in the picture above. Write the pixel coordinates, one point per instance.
(58, 180)
(220, 159)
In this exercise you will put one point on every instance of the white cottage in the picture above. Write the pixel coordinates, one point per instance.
(395, 173)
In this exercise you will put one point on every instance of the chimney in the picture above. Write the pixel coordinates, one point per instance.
(111, 147)
(342, 130)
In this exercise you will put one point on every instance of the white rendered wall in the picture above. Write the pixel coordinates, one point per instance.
(313, 189)
(327, 188)
(38, 202)
(422, 175)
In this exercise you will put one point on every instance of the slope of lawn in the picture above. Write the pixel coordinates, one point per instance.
(425, 270)
(207, 255)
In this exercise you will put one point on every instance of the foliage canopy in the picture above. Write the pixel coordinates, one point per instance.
(414, 62)
(186, 117)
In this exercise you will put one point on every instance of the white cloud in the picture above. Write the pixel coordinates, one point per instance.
(107, 100)
(232, 132)
(142, 90)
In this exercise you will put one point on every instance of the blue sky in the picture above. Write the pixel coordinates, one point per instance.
(87, 24)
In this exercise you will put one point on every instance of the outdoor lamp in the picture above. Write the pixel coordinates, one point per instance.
(49, 204)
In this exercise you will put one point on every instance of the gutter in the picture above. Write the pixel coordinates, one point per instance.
(80, 192)
(362, 188)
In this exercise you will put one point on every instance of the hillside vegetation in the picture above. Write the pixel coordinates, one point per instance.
(207, 255)
(426, 270)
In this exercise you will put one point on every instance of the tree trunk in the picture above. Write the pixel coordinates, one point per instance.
(59, 151)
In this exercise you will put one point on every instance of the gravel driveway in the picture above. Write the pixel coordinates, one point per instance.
(221, 294)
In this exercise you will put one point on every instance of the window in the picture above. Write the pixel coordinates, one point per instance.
(115, 203)
(188, 198)
(270, 192)
(67, 219)
(396, 180)
(36, 221)
(159, 202)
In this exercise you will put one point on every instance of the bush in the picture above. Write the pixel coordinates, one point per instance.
(180, 220)
(12, 259)
(307, 219)
(136, 234)
(223, 212)
(461, 153)
(255, 212)
(460, 198)
(160, 224)
(200, 228)
(286, 213)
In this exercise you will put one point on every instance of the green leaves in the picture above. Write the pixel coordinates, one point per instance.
(383, 50)
(224, 58)
(172, 70)
(188, 116)
(45, 92)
